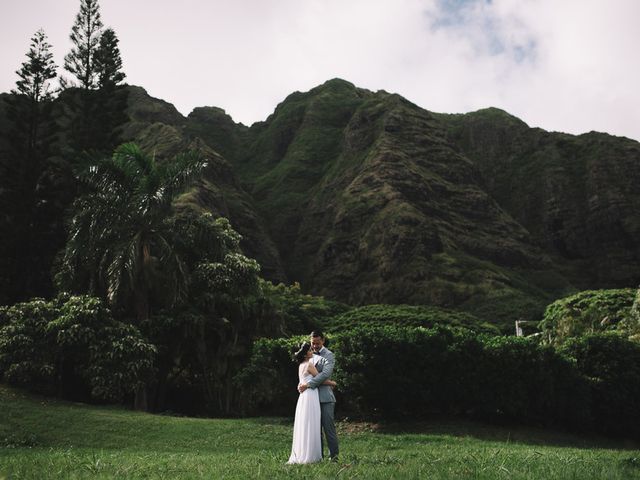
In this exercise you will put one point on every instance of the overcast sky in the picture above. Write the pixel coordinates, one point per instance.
(562, 65)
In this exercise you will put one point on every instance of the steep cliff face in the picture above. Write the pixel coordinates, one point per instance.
(367, 200)
(577, 195)
(412, 224)
(215, 127)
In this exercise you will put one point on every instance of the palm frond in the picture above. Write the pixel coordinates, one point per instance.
(131, 154)
(120, 220)
(182, 170)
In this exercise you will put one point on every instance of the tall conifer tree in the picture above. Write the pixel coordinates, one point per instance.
(85, 35)
(26, 245)
(37, 71)
(33, 91)
(110, 101)
(108, 62)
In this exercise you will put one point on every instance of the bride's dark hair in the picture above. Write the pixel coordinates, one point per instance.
(301, 354)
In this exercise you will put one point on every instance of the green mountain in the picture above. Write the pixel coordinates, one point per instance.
(576, 195)
(364, 197)
(369, 198)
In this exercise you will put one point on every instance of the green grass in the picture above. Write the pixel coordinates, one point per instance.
(42, 438)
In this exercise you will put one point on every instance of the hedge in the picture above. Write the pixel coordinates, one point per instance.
(386, 372)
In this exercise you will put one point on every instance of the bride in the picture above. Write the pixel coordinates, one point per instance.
(307, 441)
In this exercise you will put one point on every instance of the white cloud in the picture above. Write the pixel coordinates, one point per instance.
(567, 65)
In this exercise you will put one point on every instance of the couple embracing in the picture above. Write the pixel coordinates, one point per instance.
(316, 403)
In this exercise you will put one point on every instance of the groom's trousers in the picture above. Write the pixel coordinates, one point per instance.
(329, 427)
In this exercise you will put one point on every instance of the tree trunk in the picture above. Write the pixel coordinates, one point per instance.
(158, 394)
(140, 401)
(141, 305)
(141, 296)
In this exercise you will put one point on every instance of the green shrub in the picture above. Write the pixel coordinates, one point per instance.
(299, 313)
(611, 364)
(589, 312)
(270, 378)
(72, 347)
(390, 371)
(27, 351)
(407, 316)
(385, 371)
(522, 380)
(395, 371)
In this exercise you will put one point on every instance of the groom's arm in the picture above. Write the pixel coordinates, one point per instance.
(327, 369)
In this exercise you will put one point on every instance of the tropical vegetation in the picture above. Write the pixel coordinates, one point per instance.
(172, 264)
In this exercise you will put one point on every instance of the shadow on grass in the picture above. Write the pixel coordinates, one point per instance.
(461, 428)
(518, 434)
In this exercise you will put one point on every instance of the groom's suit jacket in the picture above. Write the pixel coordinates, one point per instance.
(324, 361)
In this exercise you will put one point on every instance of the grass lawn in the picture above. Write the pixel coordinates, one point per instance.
(42, 438)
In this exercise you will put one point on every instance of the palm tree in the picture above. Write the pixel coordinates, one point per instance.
(120, 244)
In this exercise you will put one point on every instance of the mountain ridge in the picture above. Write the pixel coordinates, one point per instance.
(365, 197)
(369, 198)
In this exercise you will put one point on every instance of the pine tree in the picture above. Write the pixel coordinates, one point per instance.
(97, 110)
(108, 63)
(85, 35)
(80, 61)
(37, 71)
(33, 93)
(109, 102)
(27, 242)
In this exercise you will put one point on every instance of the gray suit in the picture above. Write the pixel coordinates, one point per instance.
(324, 361)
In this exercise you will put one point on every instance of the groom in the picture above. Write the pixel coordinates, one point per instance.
(324, 364)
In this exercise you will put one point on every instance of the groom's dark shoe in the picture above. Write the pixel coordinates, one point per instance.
(334, 459)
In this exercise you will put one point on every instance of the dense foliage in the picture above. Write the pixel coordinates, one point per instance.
(205, 335)
(408, 316)
(30, 196)
(270, 377)
(612, 366)
(589, 312)
(43, 136)
(176, 306)
(298, 312)
(72, 346)
(177, 273)
(395, 372)
(120, 244)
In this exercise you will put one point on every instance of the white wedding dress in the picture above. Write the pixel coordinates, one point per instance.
(307, 443)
